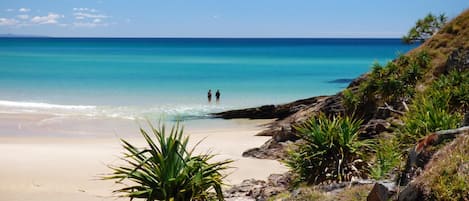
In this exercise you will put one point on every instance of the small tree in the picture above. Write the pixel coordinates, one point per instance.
(425, 28)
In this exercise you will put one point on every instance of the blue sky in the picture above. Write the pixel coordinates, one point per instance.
(218, 18)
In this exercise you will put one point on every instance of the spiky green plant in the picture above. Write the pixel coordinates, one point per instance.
(331, 150)
(167, 169)
(426, 116)
(388, 157)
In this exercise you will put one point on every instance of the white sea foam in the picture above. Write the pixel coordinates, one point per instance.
(43, 105)
(168, 112)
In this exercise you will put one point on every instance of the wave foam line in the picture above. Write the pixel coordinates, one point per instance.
(44, 105)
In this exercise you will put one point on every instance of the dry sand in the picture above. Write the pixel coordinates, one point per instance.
(45, 158)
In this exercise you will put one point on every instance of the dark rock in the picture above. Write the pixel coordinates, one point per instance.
(268, 111)
(269, 150)
(375, 127)
(343, 80)
(378, 193)
(280, 180)
(410, 193)
(259, 190)
(458, 60)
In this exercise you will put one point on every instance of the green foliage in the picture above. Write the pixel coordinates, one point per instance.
(457, 84)
(425, 28)
(350, 101)
(396, 81)
(439, 107)
(429, 113)
(167, 170)
(331, 150)
(388, 157)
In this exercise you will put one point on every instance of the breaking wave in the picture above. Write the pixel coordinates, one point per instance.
(168, 112)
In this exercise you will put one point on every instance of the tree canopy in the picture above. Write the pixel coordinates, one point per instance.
(425, 28)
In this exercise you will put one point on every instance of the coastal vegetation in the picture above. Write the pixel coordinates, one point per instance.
(386, 125)
(425, 28)
(168, 170)
(448, 177)
(427, 115)
(383, 128)
(332, 150)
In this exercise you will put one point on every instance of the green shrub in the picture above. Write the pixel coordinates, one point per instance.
(396, 81)
(427, 115)
(350, 101)
(457, 84)
(439, 107)
(331, 150)
(388, 157)
(167, 170)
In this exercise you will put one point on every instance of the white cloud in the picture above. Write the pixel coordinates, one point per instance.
(23, 17)
(9, 10)
(88, 24)
(24, 10)
(89, 15)
(51, 18)
(86, 9)
(7, 21)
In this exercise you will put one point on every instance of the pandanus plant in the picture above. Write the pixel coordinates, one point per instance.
(167, 169)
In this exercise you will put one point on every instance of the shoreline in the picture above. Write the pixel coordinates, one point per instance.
(35, 165)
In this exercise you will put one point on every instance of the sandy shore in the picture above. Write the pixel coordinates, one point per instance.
(45, 158)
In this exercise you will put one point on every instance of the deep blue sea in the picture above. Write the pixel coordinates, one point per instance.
(136, 77)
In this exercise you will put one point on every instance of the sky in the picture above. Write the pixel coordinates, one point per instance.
(219, 18)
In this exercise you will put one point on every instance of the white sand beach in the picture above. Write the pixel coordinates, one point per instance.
(49, 158)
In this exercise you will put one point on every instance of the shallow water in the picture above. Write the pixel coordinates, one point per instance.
(169, 78)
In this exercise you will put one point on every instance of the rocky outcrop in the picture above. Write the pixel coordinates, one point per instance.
(440, 168)
(378, 193)
(422, 152)
(269, 111)
(458, 60)
(258, 190)
(271, 149)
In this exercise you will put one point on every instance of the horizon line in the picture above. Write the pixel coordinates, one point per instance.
(176, 37)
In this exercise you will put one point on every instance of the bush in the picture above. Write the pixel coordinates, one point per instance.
(350, 101)
(439, 107)
(167, 170)
(427, 116)
(457, 84)
(388, 157)
(331, 150)
(396, 81)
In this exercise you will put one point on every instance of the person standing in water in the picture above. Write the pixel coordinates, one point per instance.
(217, 95)
(209, 95)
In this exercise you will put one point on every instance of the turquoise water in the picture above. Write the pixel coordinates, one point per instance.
(149, 77)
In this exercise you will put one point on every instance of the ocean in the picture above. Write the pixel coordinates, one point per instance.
(132, 78)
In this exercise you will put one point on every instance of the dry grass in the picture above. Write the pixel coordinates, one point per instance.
(446, 176)
(354, 193)
(452, 36)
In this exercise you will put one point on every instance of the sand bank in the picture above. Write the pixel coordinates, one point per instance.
(39, 163)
